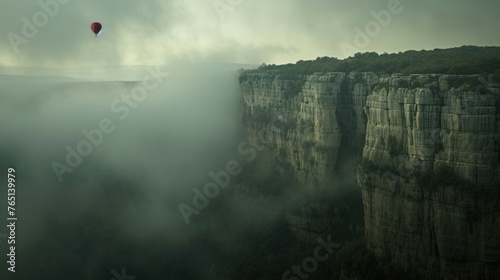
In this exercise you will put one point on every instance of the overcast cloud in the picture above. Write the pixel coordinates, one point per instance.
(280, 31)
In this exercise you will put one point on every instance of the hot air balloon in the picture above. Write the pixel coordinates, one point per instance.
(96, 27)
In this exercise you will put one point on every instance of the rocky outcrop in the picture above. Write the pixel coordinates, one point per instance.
(304, 120)
(446, 226)
(429, 149)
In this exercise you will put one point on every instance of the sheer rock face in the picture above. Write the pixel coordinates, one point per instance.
(406, 127)
(433, 126)
(304, 119)
(452, 230)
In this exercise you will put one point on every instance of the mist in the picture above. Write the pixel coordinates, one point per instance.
(75, 218)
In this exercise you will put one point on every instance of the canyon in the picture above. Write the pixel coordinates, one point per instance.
(423, 148)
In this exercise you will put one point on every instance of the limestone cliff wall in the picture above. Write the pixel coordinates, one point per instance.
(412, 132)
(429, 146)
(304, 120)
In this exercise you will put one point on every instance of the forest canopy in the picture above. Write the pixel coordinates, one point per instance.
(465, 60)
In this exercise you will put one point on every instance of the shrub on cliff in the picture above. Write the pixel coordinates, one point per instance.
(368, 166)
(442, 176)
(457, 81)
(296, 85)
(395, 146)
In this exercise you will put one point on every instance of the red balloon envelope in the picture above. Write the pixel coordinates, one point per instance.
(96, 27)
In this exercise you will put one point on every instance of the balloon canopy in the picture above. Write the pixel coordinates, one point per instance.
(96, 27)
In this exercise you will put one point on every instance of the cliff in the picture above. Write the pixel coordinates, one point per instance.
(304, 119)
(428, 148)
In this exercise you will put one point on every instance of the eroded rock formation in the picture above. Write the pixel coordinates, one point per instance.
(428, 168)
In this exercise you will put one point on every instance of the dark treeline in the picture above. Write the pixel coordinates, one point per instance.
(463, 60)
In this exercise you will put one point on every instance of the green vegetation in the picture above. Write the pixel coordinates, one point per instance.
(266, 250)
(295, 86)
(358, 77)
(260, 115)
(359, 263)
(395, 146)
(465, 60)
(461, 81)
(369, 166)
(442, 176)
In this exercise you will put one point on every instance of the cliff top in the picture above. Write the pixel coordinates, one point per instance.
(465, 60)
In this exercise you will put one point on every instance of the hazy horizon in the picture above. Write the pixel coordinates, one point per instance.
(57, 33)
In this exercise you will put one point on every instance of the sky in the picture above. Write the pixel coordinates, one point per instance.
(56, 33)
